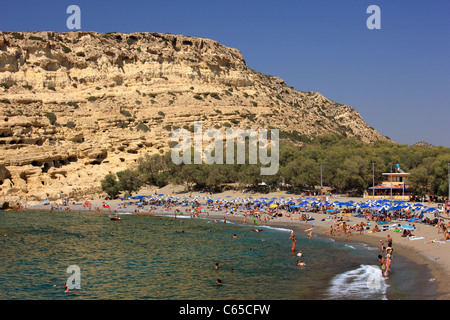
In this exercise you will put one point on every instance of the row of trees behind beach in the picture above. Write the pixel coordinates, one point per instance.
(342, 164)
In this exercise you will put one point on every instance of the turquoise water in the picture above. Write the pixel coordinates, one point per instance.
(148, 257)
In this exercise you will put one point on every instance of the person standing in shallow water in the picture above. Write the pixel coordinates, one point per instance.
(382, 265)
(294, 240)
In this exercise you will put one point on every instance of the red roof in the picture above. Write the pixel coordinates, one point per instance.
(383, 186)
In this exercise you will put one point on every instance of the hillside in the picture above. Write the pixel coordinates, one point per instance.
(76, 106)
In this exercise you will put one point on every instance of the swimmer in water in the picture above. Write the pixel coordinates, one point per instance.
(310, 232)
(218, 282)
(67, 290)
(301, 263)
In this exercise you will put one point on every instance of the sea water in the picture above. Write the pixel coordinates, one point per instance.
(168, 258)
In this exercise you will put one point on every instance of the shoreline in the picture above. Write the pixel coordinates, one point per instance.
(435, 256)
(438, 270)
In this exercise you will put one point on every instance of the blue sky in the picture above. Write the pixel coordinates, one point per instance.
(397, 77)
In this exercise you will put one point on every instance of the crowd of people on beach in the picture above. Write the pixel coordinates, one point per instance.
(386, 257)
(372, 221)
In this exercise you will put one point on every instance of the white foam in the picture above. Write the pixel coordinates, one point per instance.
(276, 228)
(173, 216)
(365, 282)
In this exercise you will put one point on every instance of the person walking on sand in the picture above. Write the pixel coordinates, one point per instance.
(389, 241)
(446, 233)
(332, 230)
(440, 225)
(329, 231)
(361, 228)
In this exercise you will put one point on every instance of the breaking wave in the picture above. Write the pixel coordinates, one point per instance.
(365, 282)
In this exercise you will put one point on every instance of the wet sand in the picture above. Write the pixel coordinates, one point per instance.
(436, 256)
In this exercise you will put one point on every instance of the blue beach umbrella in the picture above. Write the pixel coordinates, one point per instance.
(347, 204)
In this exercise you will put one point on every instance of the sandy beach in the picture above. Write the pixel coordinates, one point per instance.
(426, 247)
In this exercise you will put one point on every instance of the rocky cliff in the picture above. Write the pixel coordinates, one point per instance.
(76, 106)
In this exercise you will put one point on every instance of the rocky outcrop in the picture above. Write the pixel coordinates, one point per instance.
(76, 106)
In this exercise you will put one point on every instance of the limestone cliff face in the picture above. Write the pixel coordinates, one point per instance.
(76, 106)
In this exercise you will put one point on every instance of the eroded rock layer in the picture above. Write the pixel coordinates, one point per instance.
(76, 106)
